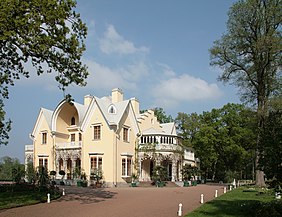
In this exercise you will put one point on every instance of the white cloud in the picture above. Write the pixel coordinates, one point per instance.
(113, 42)
(126, 77)
(167, 71)
(102, 77)
(134, 72)
(184, 88)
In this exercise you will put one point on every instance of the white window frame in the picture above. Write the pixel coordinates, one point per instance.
(42, 137)
(96, 125)
(126, 157)
(43, 158)
(97, 156)
(128, 133)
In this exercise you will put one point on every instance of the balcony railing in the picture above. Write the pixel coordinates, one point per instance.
(29, 148)
(69, 145)
(160, 147)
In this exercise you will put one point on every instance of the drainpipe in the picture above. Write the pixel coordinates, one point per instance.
(115, 157)
(53, 135)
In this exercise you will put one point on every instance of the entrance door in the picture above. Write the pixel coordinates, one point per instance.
(169, 171)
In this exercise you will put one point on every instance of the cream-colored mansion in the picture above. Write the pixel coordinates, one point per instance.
(107, 133)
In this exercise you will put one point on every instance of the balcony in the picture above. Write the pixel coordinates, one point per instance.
(69, 145)
(160, 147)
(29, 148)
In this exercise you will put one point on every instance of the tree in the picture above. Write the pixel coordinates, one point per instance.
(187, 126)
(45, 34)
(223, 139)
(18, 173)
(272, 138)
(31, 173)
(162, 116)
(11, 169)
(5, 126)
(43, 178)
(250, 56)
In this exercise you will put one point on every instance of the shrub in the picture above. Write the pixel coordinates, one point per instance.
(270, 209)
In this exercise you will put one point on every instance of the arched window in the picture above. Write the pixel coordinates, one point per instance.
(72, 121)
(112, 109)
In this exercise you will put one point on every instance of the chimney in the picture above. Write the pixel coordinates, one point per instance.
(135, 106)
(117, 95)
(87, 100)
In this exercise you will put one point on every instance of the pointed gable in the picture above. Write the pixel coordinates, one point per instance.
(169, 128)
(44, 115)
(120, 107)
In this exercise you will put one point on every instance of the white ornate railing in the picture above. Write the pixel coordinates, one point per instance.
(160, 147)
(68, 145)
(29, 148)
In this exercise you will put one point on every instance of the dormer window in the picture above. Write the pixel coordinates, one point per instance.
(112, 109)
(72, 121)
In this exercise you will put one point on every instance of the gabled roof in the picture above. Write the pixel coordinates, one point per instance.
(166, 129)
(81, 110)
(169, 128)
(153, 131)
(43, 113)
(48, 116)
(104, 104)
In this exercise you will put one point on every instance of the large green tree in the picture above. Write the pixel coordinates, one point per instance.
(272, 138)
(11, 169)
(47, 35)
(249, 54)
(223, 139)
(187, 126)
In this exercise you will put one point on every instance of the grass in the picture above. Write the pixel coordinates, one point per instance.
(11, 196)
(241, 202)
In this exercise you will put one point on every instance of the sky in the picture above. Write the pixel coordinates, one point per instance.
(156, 51)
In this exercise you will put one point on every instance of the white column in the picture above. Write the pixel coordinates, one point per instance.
(174, 169)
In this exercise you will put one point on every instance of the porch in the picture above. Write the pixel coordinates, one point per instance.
(172, 164)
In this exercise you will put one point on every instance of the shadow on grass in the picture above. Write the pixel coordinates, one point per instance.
(87, 195)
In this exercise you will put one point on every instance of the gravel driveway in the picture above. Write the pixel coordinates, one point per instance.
(119, 202)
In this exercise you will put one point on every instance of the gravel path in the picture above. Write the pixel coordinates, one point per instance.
(119, 202)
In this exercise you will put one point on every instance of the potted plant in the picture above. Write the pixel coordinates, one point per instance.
(134, 180)
(62, 173)
(159, 175)
(53, 174)
(97, 175)
(83, 179)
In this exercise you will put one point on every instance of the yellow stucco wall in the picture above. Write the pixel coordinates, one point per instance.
(104, 146)
(149, 121)
(40, 149)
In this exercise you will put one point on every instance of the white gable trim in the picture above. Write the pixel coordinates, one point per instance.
(89, 113)
(133, 120)
(55, 115)
(38, 123)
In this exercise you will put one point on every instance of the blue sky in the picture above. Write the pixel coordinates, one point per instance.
(156, 51)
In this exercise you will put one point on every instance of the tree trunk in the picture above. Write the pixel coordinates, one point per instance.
(260, 178)
(261, 112)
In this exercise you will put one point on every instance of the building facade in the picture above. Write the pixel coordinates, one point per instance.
(108, 133)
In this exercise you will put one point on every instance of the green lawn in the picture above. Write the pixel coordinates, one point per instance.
(10, 198)
(241, 202)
